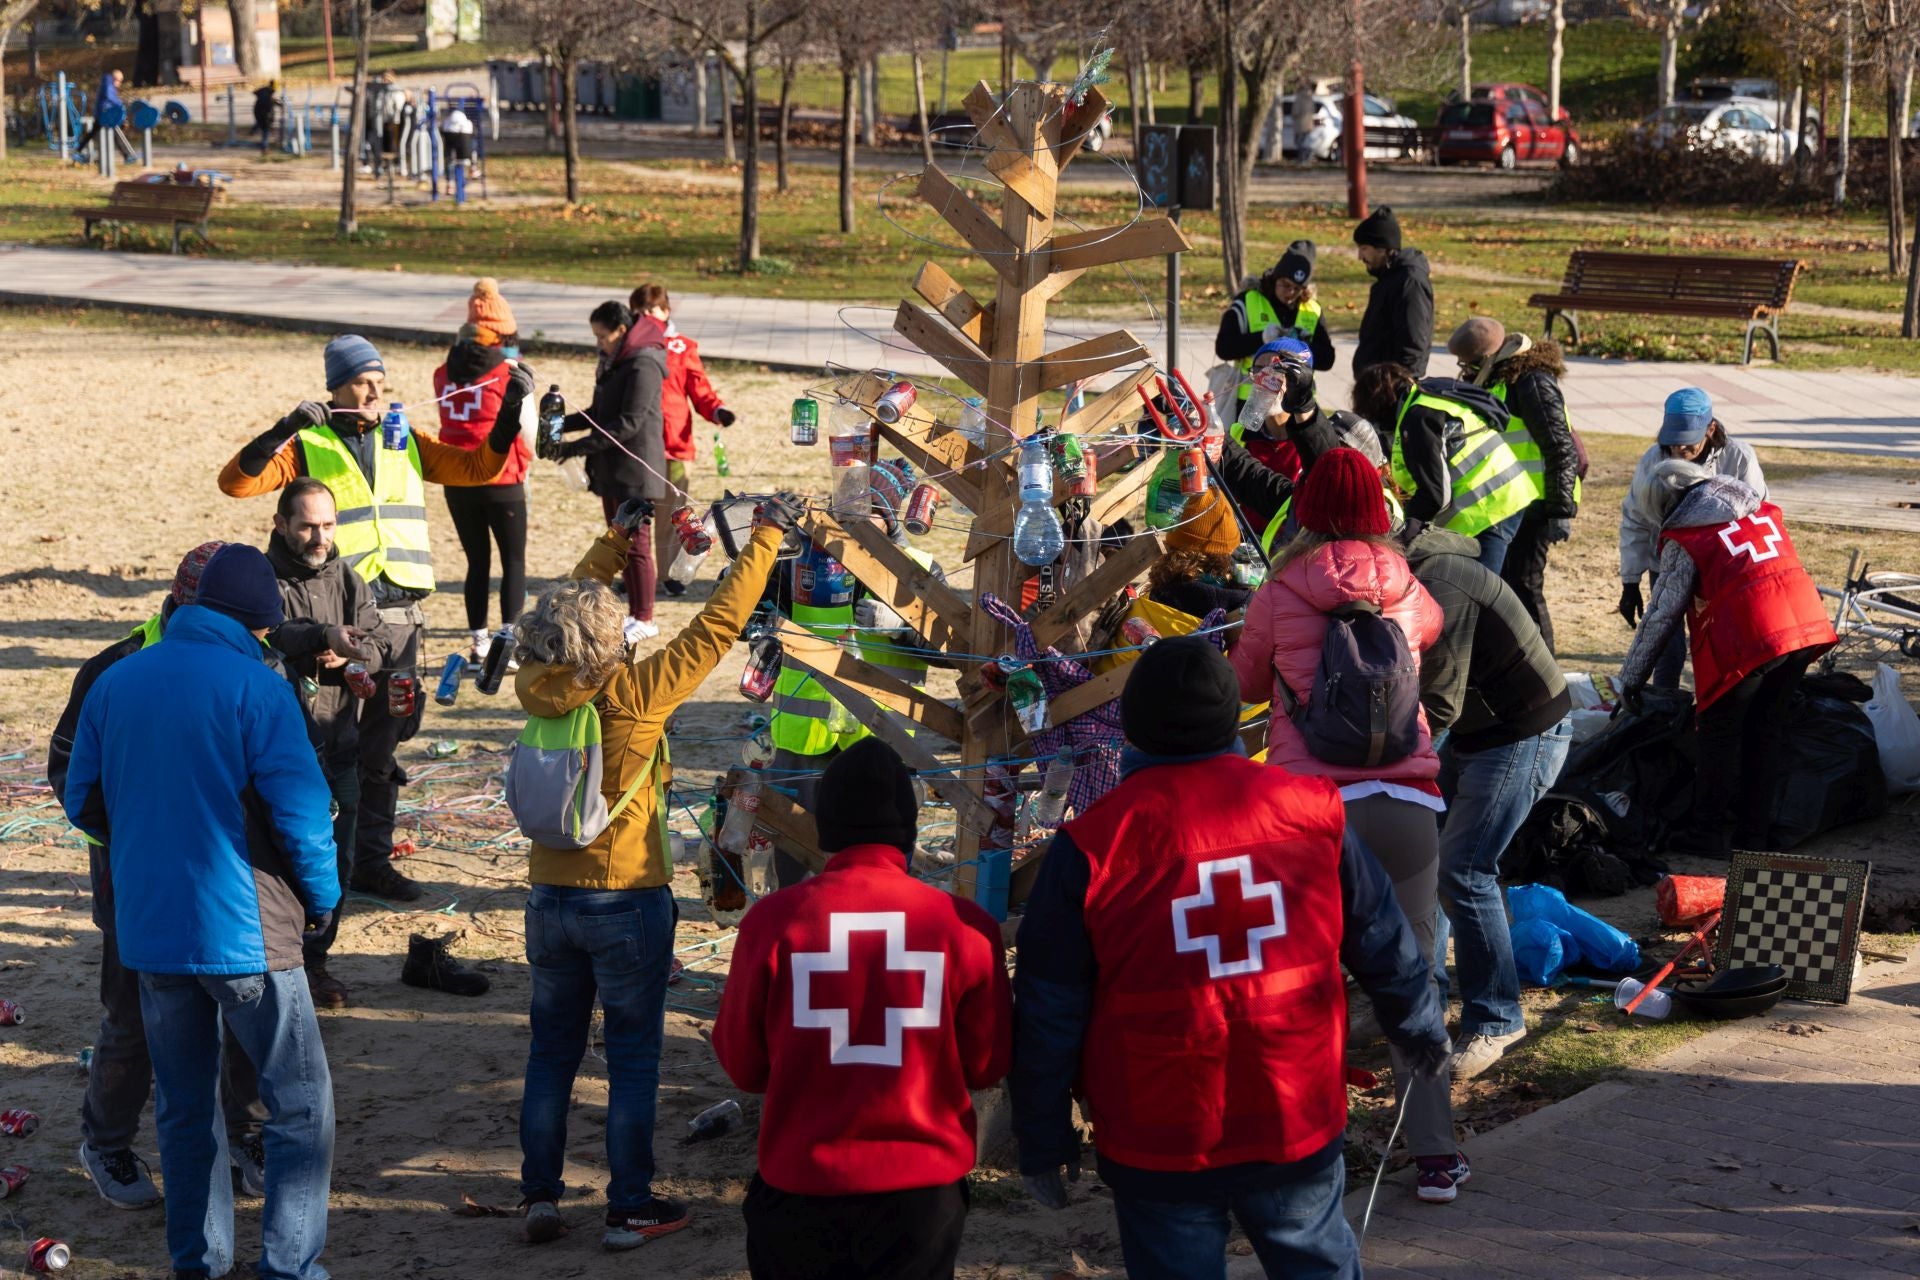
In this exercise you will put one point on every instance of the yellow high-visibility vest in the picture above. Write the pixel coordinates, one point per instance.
(382, 527)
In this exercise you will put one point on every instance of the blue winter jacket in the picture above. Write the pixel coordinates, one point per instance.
(192, 761)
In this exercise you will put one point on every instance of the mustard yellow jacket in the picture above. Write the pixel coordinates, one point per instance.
(634, 706)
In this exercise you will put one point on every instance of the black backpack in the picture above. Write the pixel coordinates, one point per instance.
(1366, 703)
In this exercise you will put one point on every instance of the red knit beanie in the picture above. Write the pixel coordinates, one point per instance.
(1341, 497)
(186, 579)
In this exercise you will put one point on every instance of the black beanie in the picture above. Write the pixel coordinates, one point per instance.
(1379, 229)
(1182, 699)
(1296, 264)
(866, 797)
(238, 581)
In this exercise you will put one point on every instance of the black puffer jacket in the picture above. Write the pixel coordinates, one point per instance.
(1532, 379)
(1398, 325)
(626, 405)
(1489, 677)
(313, 600)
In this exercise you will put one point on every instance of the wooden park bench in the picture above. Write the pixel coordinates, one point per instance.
(1753, 290)
(162, 203)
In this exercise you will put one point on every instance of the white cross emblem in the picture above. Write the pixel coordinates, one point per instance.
(677, 345)
(463, 402)
(1750, 549)
(1184, 940)
(838, 1023)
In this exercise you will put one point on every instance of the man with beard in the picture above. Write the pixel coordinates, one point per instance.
(316, 586)
(1398, 325)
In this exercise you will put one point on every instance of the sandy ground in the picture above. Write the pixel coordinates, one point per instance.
(111, 439)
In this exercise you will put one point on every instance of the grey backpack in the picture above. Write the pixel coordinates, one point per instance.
(1366, 701)
(554, 776)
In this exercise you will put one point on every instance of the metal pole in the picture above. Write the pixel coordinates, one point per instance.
(146, 148)
(1173, 300)
(1355, 129)
(233, 123)
(434, 131)
(66, 132)
(333, 142)
(460, 185)
(326, 28)
(200, 30)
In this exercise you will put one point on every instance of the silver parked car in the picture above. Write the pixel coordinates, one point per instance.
(1735, 125)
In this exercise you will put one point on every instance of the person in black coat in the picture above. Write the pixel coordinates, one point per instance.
(1270, 308)
(1526, 375)
(1398, 325)
(625, 444)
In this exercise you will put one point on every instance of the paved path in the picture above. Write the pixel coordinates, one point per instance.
(1772, 405)
(1776, 1147)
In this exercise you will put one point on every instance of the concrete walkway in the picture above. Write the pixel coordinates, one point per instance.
(1765, 404)
(1782, 1146)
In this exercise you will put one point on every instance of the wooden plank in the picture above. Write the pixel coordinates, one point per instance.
(877, 685)
(1147, 238)
(1098, 587)
(1117, 499)
(1088, 359)
(965, 215)
(943, 455)
(1117, 401)
(893, 580)
(961, 358)
(1091, 696)
(1077, 125)
(961, 309)
(924, 591)
(791, 827)
(1030, 171)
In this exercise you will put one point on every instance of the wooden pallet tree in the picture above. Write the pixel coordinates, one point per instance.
(997, 348)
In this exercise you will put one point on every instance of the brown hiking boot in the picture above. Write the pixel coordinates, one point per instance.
(328, 991)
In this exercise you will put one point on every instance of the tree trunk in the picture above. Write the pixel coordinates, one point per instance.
(1006, 59)
(1846, 115)
(849, 73)
(750, 171)
(570, 120)
(1134, 116)
(789, 65)
(1257, 85)
(869, 102)
(1146, 85)
(700, 93)
(1196, 92)
(1303, 111)
(6, 34)
(1670, 49)
(1466, 51)
(1803, 150)
(1910, 309)
(1556, 58)
(727, 151)
(920, 105)
(246, 37)
(1896, 185)
(146, 56)
(362, 27)
(1233, 255)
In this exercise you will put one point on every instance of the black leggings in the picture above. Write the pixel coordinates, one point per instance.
(483, 515)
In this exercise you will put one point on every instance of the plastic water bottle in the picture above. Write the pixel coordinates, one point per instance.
(1038, 538)
(687, 562)
(715, 1121)
(1214, 441)
(394, 428)
(849, 437)
(1052, 804)
(553, 419)
(742, 812)
(973, 421)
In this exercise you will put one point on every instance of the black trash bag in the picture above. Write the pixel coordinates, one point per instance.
(1832, 772)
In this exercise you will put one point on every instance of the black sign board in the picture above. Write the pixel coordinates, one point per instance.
(1196, 157)
(1158, 165)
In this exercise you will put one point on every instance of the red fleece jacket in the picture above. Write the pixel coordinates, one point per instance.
(685, 392)
(865, 1005)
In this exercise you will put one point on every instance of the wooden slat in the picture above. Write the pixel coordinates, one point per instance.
(960, 308)
(942, 454)
(1088, 359)
(1030, 173)
(960, 357)
(1119, 400)
(878, 684)
(923, 590)
(1673, 284)
(965, 215)
(1076, 124)
(1094, 590)
(1091, 696)
(790, 827)
(1150, 237)
(1117, 499)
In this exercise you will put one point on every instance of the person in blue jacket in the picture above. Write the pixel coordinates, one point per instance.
(109, 113)
(191, 761)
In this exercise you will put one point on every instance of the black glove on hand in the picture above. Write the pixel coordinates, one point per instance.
(1630, 701)
(319, 921)
(1430, 1059)
(1410, 529)
(1631, 607)
(724, 416)
(506, 424)
(1050, 1188)
(1298, 396)
(260, 450)
(520, 379)
(631, 514)
(1559, 529)
(782, 511)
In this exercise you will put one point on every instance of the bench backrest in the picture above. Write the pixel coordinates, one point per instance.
(163, 197)
(1747, 282)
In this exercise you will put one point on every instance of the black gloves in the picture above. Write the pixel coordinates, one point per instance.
(1631, 607)
(1298, 395)
(724, 416)
(1411, 528)
(319, 921)
(782, 511)
(1630, 701)
(260, 450)
(506, 425)
(1429, 1059)
(631, 514)
(1050, 1188)
(1559, 529)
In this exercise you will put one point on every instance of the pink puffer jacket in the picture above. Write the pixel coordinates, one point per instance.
(1286, 625)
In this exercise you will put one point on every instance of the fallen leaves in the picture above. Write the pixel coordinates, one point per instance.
(471, 1208)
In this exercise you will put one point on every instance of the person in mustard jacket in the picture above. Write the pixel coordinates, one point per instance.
(600, 919)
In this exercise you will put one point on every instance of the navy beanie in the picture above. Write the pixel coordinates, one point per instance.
(348, 356)
(239, 582)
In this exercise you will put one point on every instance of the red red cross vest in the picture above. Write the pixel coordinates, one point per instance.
(467, 416)
(1754, 601)
(1219, 1023)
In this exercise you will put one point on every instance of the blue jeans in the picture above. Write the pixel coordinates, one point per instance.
(1297, 1231)
(1495, 541)
(271, 1016)
(1489, 794)
(619, 944)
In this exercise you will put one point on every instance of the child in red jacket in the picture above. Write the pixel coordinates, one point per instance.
(865, 1004)
(685, 390)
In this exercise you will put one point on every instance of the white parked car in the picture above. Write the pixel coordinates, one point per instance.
(1324, 131)
(1735, 125)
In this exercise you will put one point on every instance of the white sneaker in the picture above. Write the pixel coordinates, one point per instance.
(638, 631)
(482, 646)
(1482, 1051)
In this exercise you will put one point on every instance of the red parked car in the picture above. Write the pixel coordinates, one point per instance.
(1505, 132)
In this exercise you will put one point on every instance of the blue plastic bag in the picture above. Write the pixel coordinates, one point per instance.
(1539, 952)
(1585, 939)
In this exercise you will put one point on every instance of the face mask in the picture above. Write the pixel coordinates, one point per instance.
(510, 351)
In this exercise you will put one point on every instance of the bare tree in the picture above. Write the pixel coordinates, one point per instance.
(11, 12)
(1463, 13)
(851, 31)
(1556, 56)
(362, 27)
(246, 36)
(568, 32)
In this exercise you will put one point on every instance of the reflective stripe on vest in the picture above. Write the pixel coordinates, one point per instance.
(382, 529)
(1260, 314)
(1525, 447)
(801, 706)
(1489, 483)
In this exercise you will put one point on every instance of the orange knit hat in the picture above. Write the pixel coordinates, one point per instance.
(488, 309)
(1206, 525)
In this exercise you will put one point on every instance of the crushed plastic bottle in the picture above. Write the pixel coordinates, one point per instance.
(716, 1121)
(849, 444)
(1051, 805)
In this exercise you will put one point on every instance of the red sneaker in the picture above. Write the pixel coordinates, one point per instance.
(1441, 1177)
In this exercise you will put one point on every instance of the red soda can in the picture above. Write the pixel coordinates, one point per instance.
(12, 1178)
(360, 681)
(11, 1014)
(895, 401)
(18, 1121)
(49, 1255)
(1193, 471)
(918, 516)
(763, 668)
(402, 689)
(1138, 631)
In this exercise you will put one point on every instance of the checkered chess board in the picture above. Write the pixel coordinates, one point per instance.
(1802, 914)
